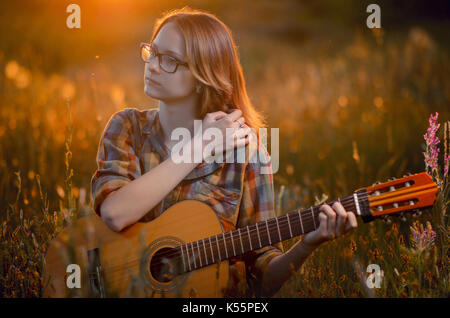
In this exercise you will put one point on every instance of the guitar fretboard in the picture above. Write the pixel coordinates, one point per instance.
(197, 254)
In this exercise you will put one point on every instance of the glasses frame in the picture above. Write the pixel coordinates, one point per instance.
(154, 52)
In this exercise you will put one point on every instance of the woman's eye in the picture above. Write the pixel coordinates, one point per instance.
(172, 59)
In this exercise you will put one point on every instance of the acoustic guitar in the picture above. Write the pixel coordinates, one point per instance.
(185, 251)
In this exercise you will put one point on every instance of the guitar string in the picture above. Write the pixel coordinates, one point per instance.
(306, 217)
(282, 223)
(272, 227)
(118, 276)
(177, 253)
(111, 276)
(115, 276)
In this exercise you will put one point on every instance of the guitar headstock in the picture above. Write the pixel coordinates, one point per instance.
(410, 193)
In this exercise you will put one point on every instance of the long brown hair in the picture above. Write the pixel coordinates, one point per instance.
(213, 60)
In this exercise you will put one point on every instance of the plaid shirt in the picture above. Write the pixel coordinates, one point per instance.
(132, 144)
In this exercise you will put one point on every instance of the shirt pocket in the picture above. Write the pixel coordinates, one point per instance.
(224, 201)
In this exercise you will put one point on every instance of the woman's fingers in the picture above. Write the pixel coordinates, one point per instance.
(351, 222)
(242, 137)
(331, 216)
(334, 222)
(216, 115)
(234, 115)
(242, 132)
(241, 142)
(341, 218)
(240, 121)
(323, 226)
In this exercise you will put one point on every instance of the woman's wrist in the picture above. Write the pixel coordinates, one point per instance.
(198, 149)
(308, 247)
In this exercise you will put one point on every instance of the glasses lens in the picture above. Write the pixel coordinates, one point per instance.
(168, 63)
(145, 52)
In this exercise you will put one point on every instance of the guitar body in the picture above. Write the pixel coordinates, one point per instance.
(115, 264)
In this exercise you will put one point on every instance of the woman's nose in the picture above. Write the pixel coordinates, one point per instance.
(153, 65)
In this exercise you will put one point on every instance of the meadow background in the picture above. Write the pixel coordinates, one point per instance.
(352, 105)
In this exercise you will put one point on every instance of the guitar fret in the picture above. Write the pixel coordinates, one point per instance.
(240, 238)
(188, 254)
(204, 249)
(278, 227)
(193, 254)
(189, 261)
(312, 211)
(210, 246)
(301, 222)
(218, 249)
(289, 223)
(199, 255)
(355, 198)
(259, 238)
(225, 245)
(249, 238)
(232, 242)
(182, 257)
(268, 233)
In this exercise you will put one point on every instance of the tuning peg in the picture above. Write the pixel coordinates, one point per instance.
(392, 179)
(387, 219)
(403, 217)
(407, 175)
(378, 182)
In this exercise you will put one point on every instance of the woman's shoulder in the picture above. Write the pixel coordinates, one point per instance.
(132, 120)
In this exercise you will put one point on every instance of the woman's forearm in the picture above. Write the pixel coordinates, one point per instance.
(280, 268)
(131, 202)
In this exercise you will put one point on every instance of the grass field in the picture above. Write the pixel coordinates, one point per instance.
(352, 106)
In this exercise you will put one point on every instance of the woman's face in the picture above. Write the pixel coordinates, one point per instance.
(170, 86)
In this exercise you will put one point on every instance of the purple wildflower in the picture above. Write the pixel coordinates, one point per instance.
(423, 238)
(432, 141)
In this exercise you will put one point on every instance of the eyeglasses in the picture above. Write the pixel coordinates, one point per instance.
(168, 63)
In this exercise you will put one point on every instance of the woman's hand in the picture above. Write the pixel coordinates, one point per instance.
(334, 222)
(221, 121)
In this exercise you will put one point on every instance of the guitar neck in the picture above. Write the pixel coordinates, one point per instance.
(223, 246)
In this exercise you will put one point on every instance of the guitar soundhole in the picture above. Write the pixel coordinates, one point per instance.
(163, 265)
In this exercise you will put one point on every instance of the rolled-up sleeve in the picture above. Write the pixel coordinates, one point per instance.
(117, 162)
(258, 204)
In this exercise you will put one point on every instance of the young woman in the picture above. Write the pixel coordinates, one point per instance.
(192, 68)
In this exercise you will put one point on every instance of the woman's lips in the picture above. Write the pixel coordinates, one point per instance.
(149, 80)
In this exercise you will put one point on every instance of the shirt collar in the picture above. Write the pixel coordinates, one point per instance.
(152, 128)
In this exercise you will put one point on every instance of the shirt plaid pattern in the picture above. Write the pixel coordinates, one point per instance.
(239, 193)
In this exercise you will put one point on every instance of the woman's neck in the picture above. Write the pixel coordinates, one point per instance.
(179, 115)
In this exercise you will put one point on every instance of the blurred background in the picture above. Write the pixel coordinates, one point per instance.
(352, 105)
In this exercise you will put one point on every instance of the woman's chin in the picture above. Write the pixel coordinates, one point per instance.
(150, 92)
